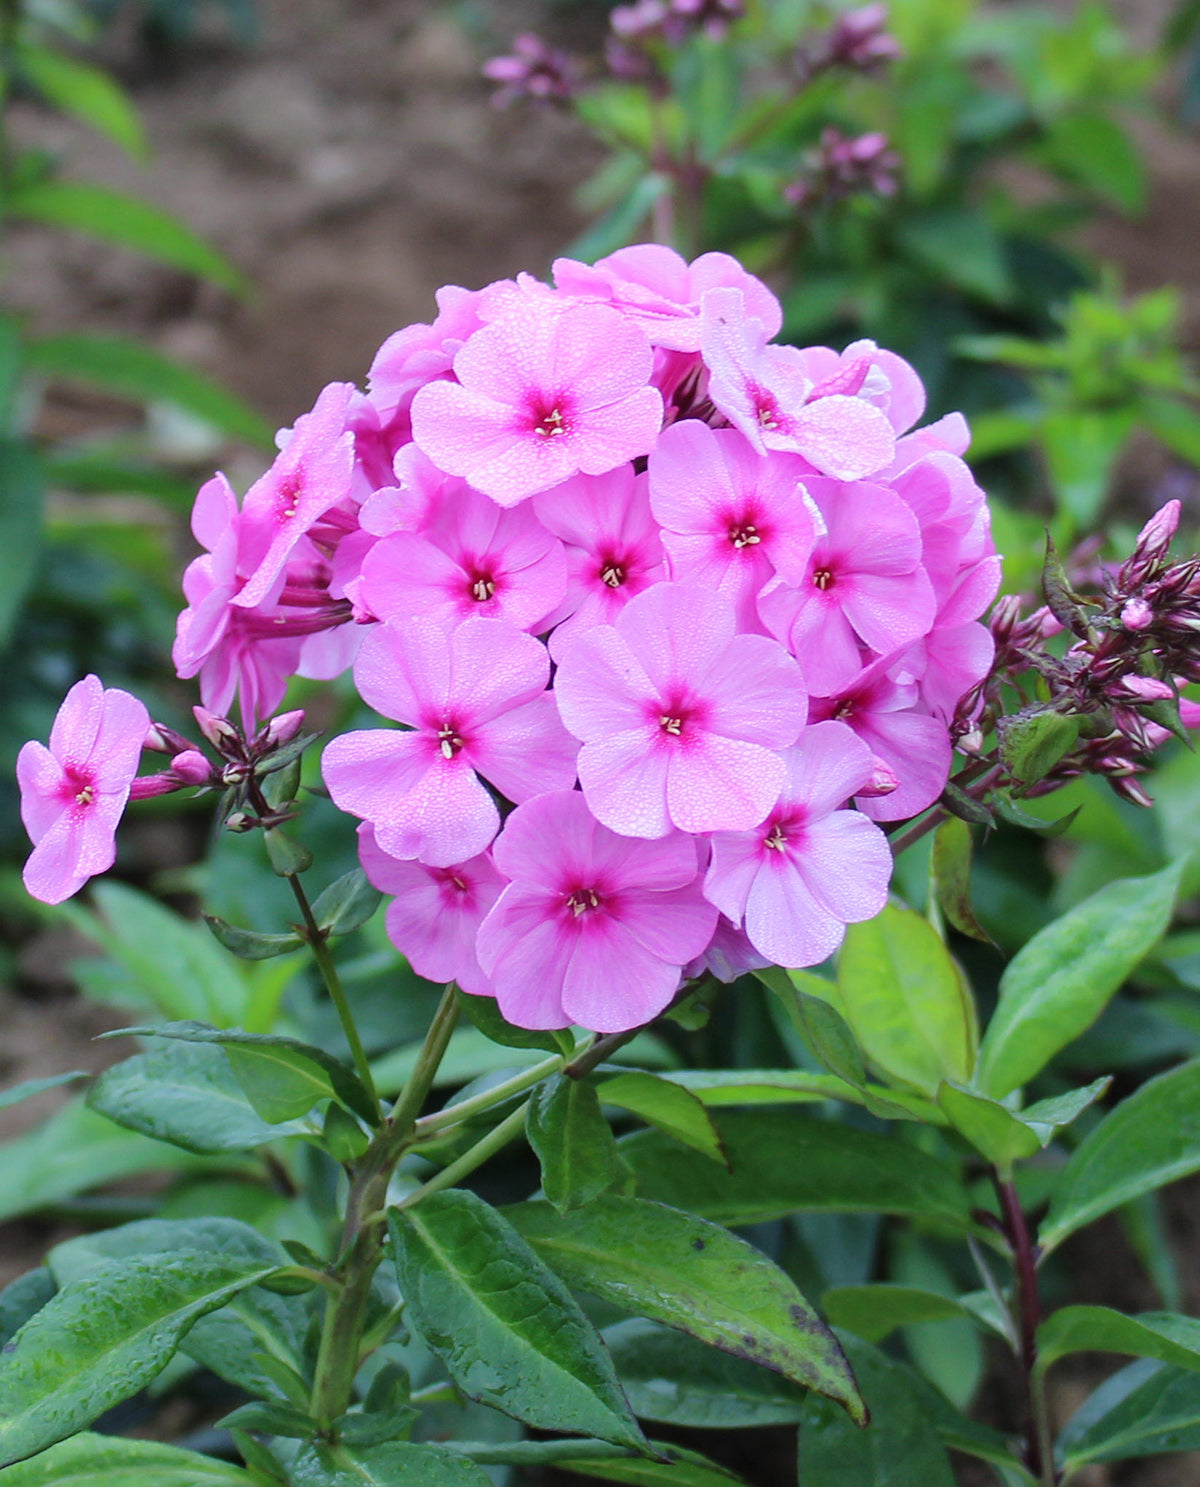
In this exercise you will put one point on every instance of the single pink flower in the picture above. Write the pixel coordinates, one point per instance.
(74, 792)
(889, 718)
(681, 718)
(731, 518)
(764, 391)
(878, 377)
(655, 287)
(435, 912)
(593, 928)
(471, 558)
(475, 703)
(312, 473)
(543, 393)
(418, 354)
(864, 583)
(811, 868)
(613, 548)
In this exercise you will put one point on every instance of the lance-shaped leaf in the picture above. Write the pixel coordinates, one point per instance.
(673, 1466)
(1145, 1410)
(347, 904)
(906, 1000)
(490, 1021)
(32, 1087)
(1033, 741)
(572, 1140)
(992, 1129)
(873, 1312)
(250, 944)
(672, 1378)
(184, 1093)
(86, 92)
(785, 1162)
(663, 1103)
(385, 1466)
(1164, 1336)
(672, 1267)
(109, 1461)
(717, 1087)
(1148, 1140)
(506, 1327)
(103, 1337)
(21, 1298)
(952, 877)
(1059, 983)
(282, 1077)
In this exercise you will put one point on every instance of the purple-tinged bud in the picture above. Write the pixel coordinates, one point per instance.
(220, 732)
(191, 768)
(282, 730)
(1137, 615)
(883, 781)
(239, 821)
(532, 70)
(1005, 614)
(147, 786)
(1142, 689)
(843, 165)
(971, 742)
(858, 39)
(1157, 535)
(163, 740)
(1132, 790)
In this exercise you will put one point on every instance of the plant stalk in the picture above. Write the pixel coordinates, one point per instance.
(1039, 1444)
(512, 1125)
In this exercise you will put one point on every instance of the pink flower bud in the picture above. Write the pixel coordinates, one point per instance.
(1137, 615)
(191, 768)
(1143, 689)
(883, 781)
(163, 740)
(1155, 537)
(220, 732)
(283, 729)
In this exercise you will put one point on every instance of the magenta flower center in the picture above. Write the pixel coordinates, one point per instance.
(744, 534)
(78, 787)
(784, 828)
(482, 584)
(823, 578)
(450, 740)
(287, 498)
(613, 573)
(548, 422)
(583, 901)
(679, 715)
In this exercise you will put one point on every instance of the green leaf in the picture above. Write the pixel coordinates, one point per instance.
(620, 225)
(21, 482)
(572, 1141)
(1145, 1410)
(288, 858)
(186, 1094)
(952, 877)
(490, 1021)
(1164, 1336)
(962, 248)
(114, 217)
(873, 1312)
(672, 1378)
(1174, 422)
(21, 1298)
(906, 1000)
(102, 1338)
(718, 1087)
(807, 999)
(1148, 1140)
(1048, 1116)
(1090, 148)
(276, 1073)
(783, 1162)
(249, 944)
(109, 1461)
(1058, 984)
(72, 1152)
(347, 904)
(507, 1329)
(901, 1447)
(1032, 742)
(130, 370)
(993, 1130)
(672, 1267)
(673, 1466)
(33, 1087)
(84, 92)
(1082, 445)
(171, 961)
(663, 1103)
(385, 1466)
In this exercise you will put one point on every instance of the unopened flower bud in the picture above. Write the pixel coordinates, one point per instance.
(1131, 789)
(283, 729)
(239, 821)
(220, 732)
(1137, 615)
(191, 768)
(163, 740)
(883, 781)
(1005, 614)
(972, 742)
(1143, 689)
(1155, 537)
(532, 70)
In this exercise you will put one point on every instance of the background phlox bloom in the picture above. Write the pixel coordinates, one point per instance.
(811, 868)
(73, 793)
(593, 928)
(681, 718)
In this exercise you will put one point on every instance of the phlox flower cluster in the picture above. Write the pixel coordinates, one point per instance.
(659, 618)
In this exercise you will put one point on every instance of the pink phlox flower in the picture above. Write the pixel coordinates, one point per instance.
(74, 792)
(312, 473)
(864, 583)
(949, 435)
(731, 518)
(681, 718)
(952, 513)
(764, 392)
(474, 702)
(811, 868)
(866, 371)
(418, 354)
(420, 490)
(613, 548)
(593, 928)
(542, 396)
(328, 653)
(888, 716)
(728, 956)
(471, 558)
(435, 912)
(662, 292)
(957, 658)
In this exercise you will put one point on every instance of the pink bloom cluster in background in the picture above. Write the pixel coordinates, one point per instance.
(669, 616)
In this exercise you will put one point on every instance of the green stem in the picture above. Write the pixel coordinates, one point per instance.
(408, 1107)
(333, 984)
(497, 1138)
(454, 1115)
